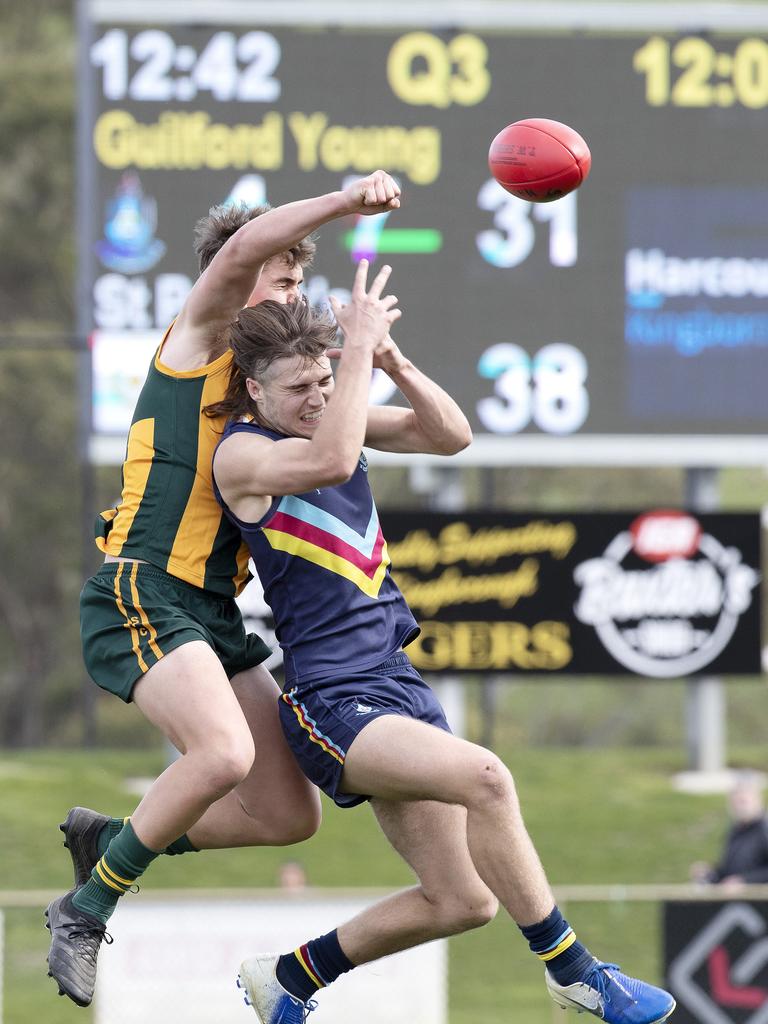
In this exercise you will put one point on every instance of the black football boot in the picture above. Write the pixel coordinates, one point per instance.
(75, 942)
(81, 832)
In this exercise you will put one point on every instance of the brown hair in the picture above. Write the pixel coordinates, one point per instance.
(260, 335)
(223, 221)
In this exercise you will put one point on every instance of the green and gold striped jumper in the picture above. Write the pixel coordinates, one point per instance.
(168, 514)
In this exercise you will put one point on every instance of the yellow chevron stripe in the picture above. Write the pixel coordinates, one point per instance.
(134, 633)
(552, 953)
(319, 556)
(143, 615)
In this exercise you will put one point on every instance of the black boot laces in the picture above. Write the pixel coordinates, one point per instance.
(89, 938)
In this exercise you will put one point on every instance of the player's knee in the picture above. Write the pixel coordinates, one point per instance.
(297, 822)
(484, 910)
(229, 762)
(478, 911)
(294, 831)
(490, 783)
(464, 911)
(309, 819)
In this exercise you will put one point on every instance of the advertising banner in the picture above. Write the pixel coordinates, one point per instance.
(178, 961)
(663, 593)
(716, 957)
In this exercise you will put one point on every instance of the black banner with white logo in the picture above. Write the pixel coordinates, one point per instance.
(716, 957)
(662, 593)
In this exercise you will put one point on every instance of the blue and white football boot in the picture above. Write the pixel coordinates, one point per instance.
(262, 991)
(616, 998)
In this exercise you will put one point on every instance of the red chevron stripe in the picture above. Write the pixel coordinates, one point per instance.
(284, 523)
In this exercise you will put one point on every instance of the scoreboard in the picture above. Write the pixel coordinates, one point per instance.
(633, 310)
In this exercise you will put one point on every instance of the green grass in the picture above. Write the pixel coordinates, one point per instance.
(596, 815)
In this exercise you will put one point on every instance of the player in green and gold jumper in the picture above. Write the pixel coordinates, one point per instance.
(159, 621)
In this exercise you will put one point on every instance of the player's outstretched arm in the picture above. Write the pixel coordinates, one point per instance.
(249, 467)
(224, 287)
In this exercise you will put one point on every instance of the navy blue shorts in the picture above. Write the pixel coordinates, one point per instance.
(320, 720)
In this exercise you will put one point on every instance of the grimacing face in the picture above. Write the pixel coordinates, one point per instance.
(277, 281)
(293, 394)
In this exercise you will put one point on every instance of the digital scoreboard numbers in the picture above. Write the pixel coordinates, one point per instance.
(634, 307)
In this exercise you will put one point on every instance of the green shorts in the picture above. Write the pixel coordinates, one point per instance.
(132, 614)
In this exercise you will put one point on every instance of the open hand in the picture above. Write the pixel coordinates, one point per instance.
(366, 320)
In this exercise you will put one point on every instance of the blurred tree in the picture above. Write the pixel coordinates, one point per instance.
(37, 85)
(40, 667)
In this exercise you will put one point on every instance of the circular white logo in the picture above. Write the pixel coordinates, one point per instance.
(665, 598)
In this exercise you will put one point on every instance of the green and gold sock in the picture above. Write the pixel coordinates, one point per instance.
(125, 860)
(181, 845)
(115, 826)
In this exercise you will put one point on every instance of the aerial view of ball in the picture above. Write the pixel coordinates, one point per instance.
(539, 160)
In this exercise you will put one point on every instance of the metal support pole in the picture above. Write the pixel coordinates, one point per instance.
(705, 695)
(706, 724)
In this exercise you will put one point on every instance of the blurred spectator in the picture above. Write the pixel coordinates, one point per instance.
(744, 859)
(291, 875)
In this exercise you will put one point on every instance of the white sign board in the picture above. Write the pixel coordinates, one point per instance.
(120, 365)
(179, 961)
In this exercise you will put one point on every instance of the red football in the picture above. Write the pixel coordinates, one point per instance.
(539, 160)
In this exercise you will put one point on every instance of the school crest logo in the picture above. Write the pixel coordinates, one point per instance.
(129, 245)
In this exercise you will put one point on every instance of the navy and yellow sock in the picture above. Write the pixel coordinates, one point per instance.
(126, 858)
(554, 941)
(312, 966)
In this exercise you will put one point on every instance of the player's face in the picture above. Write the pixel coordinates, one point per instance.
(294, 395)
(277, 281)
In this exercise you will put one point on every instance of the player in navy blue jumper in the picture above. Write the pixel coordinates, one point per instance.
(362, 724)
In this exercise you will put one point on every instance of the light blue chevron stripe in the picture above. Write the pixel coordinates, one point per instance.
(299, 509)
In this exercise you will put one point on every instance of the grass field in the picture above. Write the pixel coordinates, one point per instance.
(597, 815)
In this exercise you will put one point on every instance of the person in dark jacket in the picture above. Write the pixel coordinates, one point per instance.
(744, 859)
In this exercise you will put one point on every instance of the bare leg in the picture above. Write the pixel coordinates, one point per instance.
(417, 775)
(188, 696)
(397, 758)
(274, 805)
(450, 898)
